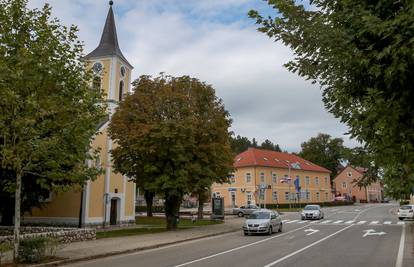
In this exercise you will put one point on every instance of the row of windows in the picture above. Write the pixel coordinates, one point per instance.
(274, 178)
(345, 185)
(286, 196)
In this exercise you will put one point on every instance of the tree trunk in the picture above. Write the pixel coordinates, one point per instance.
(172, 208)
(201, 200)
(17, 217)
(149, 199)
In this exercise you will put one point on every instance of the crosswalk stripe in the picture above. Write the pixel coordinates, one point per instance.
(339, 221)
(374, 222)
(302, 222)
(285, 221)
(349, 222)
(387, 222)
(361, 222)
(400, 222)
(327, 221)
(292, 221)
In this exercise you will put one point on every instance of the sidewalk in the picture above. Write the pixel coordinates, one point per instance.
(105, 247)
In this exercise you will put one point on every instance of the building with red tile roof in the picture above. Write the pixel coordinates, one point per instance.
(267, 177)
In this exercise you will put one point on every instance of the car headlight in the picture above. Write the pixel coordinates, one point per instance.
(264, 225)
(303, 213)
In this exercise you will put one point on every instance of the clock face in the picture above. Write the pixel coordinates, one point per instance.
(97, 67)
(123, 71)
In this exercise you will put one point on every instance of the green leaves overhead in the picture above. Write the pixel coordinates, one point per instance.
(362, 55)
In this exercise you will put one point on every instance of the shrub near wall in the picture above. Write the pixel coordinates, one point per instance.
(154, 209)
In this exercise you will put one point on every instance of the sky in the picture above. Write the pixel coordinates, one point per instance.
(216, 42)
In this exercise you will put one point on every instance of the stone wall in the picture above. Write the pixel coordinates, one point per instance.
(64, 235)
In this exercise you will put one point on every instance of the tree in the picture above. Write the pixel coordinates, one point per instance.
(172, 136)
(362, 55)
(324, 151)
(240, 144)
(48, 114)
(268, 145)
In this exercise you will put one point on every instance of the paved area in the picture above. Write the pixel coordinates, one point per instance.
(367, 235)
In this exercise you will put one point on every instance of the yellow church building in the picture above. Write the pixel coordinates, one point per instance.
(110, 199)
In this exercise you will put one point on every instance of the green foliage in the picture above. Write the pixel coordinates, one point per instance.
(48, 113)
(302, 205)
(404, 202)
(35, 250)
(156, 209)
(325, 151)
(240, 144)
(4, 247)
(172, 136)
(361, 53)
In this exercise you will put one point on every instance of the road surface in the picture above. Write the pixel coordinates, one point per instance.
(367, 236)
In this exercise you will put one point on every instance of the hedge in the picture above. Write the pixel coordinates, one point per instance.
(154, 209)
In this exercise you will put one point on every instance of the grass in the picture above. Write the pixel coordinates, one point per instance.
(152, 225)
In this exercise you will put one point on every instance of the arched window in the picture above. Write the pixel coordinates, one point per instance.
(96, 84)
(121, 90)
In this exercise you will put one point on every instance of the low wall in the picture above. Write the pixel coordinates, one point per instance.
(64, 235)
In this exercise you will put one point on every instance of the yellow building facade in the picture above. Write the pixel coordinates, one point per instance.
(262, 176)
(110, 199)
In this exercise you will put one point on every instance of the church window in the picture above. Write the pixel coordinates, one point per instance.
(121, 90)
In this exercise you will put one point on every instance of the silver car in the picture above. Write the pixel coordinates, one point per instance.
(312, 212)
(245, 210)
(263, 222)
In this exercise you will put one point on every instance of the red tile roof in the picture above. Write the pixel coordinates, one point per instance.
(267, 158)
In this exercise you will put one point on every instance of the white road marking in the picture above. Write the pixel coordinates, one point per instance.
(399, 262)
(400, 223)
(327, 221)
(372, 232)
(285, 221)
(387, 222)
(374, 222)
(311, 231)
(238, 248)
(361, 222)
(292, 221)
(339, 221)
(305, 248)
(302, 222)
(349, 222)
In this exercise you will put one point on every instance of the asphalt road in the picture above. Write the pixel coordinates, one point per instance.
(368, 235)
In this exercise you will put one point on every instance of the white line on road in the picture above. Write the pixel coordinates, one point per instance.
(349, 222)
(238, 248)
(374, 222)
(308, 246)
(292, 221)
(285, 221)
(387, 222)
(361, 222)
(339, 221)
(399, 262)
(400, 223)
(302, 222)
(327, 221)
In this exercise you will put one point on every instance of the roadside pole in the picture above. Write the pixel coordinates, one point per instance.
(290, 193)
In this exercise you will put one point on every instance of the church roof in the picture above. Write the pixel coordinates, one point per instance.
(108, 46)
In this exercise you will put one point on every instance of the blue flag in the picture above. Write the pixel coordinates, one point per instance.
(297, 186)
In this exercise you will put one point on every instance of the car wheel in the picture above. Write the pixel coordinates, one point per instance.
(270, 230)
(240, 214)
(280, 228)
(400, 218)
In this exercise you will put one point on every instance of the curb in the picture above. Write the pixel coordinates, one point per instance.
(128, 251)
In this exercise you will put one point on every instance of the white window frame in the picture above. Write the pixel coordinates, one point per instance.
(307, 180)
(248, 177)
(274, 178)
(318, 197)
(274, 195)
(316, 180)
(262, 178)
(344, 185)
(287, 196)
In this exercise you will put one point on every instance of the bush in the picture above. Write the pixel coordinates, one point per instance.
(404, 202)
(37, 249)
(4, 247)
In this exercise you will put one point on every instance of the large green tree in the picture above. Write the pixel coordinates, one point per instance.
(172, 136)
(361, 52)
(48, 113)
(324, 151)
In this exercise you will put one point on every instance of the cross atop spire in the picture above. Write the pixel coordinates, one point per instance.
(108, 46)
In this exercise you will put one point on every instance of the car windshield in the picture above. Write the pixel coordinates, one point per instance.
(260, 215)
(311, 208)
(407, 207)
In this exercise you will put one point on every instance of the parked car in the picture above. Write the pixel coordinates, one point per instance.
(312, 212)
(406, 211)
(263, 221)
(245, 210)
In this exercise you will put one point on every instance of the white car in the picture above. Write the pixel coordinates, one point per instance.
(263, 221)
(312, 212)
(406, 211)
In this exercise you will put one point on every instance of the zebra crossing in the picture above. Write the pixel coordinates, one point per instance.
(345, 222)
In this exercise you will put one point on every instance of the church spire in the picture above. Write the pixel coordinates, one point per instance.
(108, 46)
